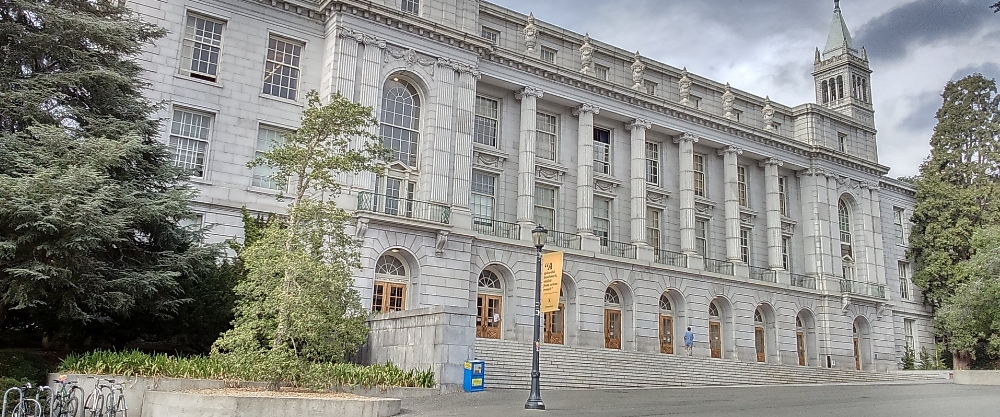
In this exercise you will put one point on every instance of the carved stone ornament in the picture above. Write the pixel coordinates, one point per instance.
(747, 218)
(587, 56)
(728, 98)
(638, 71)
(685, 86)
(361, 229)
(702, 208)
(411, 58)
(787, 228)
(730, 150)
(442, 240)
(548, 173)
(768, 113)
(771, 161)
(529, 92)
(638, 124)
(845, 303)
(687, 136)
(460, 67)
(604, 185)
(489, 160)
(586, 108)
(362, 37)
(531, 33)
(654, 197)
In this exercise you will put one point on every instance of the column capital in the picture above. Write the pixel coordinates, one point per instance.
(731, 150)
(586, 108)
(529, 92)
(687, 137)
(811, 172)
(871, 185)
(638, 123)
(771, 161)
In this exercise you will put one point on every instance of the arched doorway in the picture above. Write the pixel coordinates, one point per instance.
(759, 340)
(555, 322)
(612, 319)
(666, 324)
(490, 305)
(715, 329)
(800, 340)
(391, 278)
(862, 344)
(805, 339)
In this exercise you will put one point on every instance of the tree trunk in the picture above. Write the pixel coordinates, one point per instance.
(961, 361)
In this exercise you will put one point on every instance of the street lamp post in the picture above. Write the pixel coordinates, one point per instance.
(538, 236)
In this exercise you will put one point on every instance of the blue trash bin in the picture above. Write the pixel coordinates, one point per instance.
(475, 376)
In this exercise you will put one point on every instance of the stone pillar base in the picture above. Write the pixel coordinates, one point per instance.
(590, 243)
(645, 253)
(695, 261)
(784, 277)
(741, 270)
(461, 217)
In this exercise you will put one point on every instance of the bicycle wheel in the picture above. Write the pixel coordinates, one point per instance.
(98, 410)
(70, 408)
(121, 409)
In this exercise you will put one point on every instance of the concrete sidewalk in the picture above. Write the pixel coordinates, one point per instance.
(776, 401)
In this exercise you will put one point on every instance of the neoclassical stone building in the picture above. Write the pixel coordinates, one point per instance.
(679, 201)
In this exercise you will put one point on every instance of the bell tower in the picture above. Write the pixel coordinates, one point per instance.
(842, 74)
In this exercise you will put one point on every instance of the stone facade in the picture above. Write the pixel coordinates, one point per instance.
(662, 184)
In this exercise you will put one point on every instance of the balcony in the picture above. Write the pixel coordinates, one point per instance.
(719, 267)
(670, 258)
(404, 208)
(619, 249)
(763, 274)
(496, 228)
(867, 289)
(563, 240)
(803, 281)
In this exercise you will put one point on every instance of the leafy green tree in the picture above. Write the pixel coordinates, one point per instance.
(298, 302)
(970, 317)
(89, 199)
(996, 7)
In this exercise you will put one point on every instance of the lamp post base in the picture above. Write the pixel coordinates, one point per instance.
(534, 405)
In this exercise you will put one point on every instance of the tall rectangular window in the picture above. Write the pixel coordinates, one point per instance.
(410, 6)
(601, 72)
(545, 206)
(786, 262)
(842, 138)
(602, 219)
(546, 136)
(904, 279)
(908, 332)
(653, 163)
(745, 246)
(699, 175)
(650, 86)
(189, 133)
(263, 176)
(490, 34)
(548, 55)
(201, 47)
(897, 220)
(701, 237)
(281, 69)
(654, 227)
(487, 126)
(483, 198)
(742, 177)
(602, 151)
(783, 195)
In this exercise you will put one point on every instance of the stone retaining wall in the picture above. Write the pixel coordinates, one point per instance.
(171, 404)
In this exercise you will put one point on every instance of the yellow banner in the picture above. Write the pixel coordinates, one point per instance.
(552, 270)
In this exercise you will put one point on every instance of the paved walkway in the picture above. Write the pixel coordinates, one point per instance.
(926, 400)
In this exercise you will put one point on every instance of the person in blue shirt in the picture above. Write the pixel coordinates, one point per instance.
(689, 341)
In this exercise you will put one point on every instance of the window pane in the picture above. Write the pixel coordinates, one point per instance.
(281, 69)
(699, 175)
(400, 120)
(487, 121)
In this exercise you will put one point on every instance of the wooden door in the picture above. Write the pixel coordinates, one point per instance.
(800, 344)
(758, 343)
(666, 334)
(488, 321)
(555, 324)
(613, 329)
(715, 338)
(388, 297)
(857, 355)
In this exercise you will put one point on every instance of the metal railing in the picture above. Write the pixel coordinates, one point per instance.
(619, 249)
(402, 207)
(719, 266)
(869, 289)
(803, 281)
(563, 240)
(666, 257)
(496, 228)
(763, 274)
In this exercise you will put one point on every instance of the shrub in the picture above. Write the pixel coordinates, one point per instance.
(909, 358)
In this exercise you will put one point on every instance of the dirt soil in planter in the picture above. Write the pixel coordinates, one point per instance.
(284, 393)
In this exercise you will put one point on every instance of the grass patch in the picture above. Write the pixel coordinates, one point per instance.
(320, 376)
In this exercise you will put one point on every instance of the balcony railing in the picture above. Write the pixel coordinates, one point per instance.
(402, 207)
(869, 289)
(670, 258)
(763, 274)
(719, 267)
(803, 281)
(563, 240)
(619, 249)
(496, 228)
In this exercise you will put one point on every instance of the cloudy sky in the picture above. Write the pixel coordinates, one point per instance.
(766, 48)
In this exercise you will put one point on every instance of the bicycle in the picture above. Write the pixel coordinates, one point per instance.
(106, 400)
(63, 401)
(25, 407)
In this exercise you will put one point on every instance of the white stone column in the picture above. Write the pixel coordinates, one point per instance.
(585, 169)
(773, 203)
(368, 93)
(880, 265)
(464, 121)
(526, 160)
(638, 192)
(816, 228)
(686, 165)
(732, 205)
(434, 147)
(867, 264)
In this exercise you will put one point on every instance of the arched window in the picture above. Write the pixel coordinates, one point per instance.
(391, 277)
(833, 89)
(826, 92)
(840, 86)
(611, 297)
(490, 305)
(757, 317)
(864, 90)
(713, 310)
(665, 305)
(489, 280)
(798, 323)
(844, 217)
(400, 120)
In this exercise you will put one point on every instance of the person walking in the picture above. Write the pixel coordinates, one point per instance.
(689, 341)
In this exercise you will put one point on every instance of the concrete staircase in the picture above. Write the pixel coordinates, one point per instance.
(508, 365)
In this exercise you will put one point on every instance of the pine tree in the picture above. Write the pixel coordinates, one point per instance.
(89, 199)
